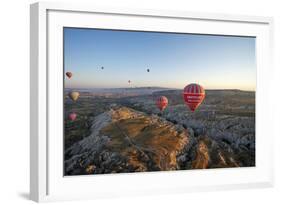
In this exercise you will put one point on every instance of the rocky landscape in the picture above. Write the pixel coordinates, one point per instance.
(120, 134)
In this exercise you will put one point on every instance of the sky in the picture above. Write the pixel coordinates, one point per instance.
(174, 60)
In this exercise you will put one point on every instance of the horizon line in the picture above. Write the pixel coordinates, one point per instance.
(156, 87)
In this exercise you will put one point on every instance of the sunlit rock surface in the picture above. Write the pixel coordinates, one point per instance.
(124, 140)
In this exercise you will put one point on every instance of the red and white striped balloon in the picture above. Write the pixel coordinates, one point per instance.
(193, 95)
(162, 102)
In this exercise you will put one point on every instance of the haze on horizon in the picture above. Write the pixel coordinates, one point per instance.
(174, 60)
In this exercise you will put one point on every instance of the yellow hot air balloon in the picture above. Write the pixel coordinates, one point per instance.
(74, 95)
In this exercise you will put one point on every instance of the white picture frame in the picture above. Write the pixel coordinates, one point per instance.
(47, 182)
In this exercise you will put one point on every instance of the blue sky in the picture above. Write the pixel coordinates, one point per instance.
(174, 60)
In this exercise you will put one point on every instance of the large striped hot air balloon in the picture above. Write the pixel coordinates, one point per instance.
(193, 95)
(162, 102)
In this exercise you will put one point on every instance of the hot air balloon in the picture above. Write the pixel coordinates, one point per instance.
(193, 95)
(102, 67)
(68, 74)
(74, 95)
(148, 70)
(162, 102)
(129, 81)
(72, 116)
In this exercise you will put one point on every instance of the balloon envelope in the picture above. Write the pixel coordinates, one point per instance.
(162, 102)
(68, 74)
(72, 116)
(74, 95)
(193, 95)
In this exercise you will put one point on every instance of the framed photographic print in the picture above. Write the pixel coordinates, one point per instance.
(122, 99)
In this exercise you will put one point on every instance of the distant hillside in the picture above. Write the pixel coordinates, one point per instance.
(113, 92)
(155, 88)
(214, 97)
(212, 91)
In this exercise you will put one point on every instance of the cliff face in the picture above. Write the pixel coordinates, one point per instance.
(124, 140)
(210, 155)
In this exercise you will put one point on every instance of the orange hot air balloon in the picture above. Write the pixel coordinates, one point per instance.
(74, 95)
(68, 74)
(72, 116)
(162, 102)
(193, 95)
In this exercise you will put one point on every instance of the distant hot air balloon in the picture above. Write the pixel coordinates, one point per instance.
(102, 67)
(68, 74)
(72, 116)
(74, 95)
(148, 70)
(162, 102)
(129, 81)
(193, 95)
